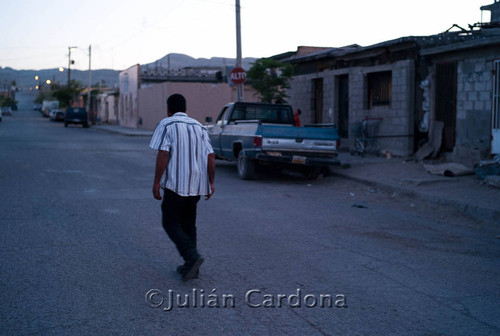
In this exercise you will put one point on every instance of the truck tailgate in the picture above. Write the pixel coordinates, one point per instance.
(302, 139)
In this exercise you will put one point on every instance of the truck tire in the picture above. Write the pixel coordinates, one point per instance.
(246, 166)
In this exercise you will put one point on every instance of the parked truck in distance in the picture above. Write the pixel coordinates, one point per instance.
(76, 115)
(255, 134)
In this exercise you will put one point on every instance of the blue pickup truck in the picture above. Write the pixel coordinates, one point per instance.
(255, 133)
(76, 115)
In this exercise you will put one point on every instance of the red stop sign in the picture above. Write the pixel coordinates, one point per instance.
(238, 75)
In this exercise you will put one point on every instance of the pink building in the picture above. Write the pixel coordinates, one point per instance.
(143, 104)
(203, 100)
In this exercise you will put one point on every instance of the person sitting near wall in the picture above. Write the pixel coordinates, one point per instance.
(296, 117)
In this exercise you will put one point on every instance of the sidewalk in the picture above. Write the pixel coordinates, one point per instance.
(128, 131)
(465, 193)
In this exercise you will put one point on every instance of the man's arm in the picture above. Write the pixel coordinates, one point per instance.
(211, 174)
(161, 164)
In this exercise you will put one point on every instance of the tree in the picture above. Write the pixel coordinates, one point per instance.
(270, 78)
(7, 101)
(63, 93)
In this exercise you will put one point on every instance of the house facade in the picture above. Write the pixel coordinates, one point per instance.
(129, 83)
(204, 100)
(345, 85)
(411, 84)
(464, 93)
(107, 107)
(143, 94)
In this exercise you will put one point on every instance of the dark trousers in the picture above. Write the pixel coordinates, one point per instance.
(179, 221)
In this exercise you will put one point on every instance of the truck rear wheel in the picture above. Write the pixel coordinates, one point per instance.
(246, 166)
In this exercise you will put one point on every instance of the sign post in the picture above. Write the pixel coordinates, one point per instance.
(238, 49)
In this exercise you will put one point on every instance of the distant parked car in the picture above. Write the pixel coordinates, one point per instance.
(37, 107)
(56, 115)
(6, 110)
(76, 115)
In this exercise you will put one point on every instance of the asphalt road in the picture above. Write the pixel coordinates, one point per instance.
(83, 251)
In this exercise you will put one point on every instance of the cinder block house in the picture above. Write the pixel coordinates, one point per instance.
(410, 83)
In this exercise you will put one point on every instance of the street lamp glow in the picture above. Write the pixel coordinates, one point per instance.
(48, 81)
(61, 69)
(36, 77)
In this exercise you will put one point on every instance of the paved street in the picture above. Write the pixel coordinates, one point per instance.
(83, 251)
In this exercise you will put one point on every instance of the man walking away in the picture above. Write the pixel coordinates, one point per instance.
(185, 170)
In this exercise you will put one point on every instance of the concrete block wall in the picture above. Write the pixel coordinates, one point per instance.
(397, 128)
(300, 96)
(474, 104)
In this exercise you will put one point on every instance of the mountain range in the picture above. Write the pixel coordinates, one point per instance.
(25, 79)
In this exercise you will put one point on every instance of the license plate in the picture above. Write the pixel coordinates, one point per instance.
(299, 159)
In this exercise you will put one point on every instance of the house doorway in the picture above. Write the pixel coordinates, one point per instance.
(317, 103)
(446, 102)
(343, 105)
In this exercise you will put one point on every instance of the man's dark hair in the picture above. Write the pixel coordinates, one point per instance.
(176, 103)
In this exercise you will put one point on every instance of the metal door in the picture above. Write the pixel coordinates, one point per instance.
(446, 102)
(343, 106)
(317, 105)
(495, 119)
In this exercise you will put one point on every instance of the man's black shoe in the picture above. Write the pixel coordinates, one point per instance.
(192, 269)
(182, 269)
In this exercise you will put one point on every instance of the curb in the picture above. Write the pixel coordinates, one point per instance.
(475, 211)
(126, 132)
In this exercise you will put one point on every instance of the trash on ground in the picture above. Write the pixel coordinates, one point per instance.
(493, 181)
(431, 148)
(359, 206)
(487, 168)
(450, 169)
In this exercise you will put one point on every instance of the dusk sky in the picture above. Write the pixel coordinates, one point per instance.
(36, 34)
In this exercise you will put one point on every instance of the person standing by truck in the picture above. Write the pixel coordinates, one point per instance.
(296, 117)
(185, 169)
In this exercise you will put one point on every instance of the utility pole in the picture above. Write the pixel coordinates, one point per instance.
(90, 80)
(69, 65)
(238, 47)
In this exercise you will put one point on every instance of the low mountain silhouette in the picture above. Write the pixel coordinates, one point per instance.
(25, 79)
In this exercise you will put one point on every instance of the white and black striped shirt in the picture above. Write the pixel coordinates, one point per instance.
(188, 143)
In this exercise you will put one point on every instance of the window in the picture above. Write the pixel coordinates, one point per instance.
(221, 120)
(265, 113)
(379, 89)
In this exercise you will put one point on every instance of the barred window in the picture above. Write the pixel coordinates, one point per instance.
(379, 89)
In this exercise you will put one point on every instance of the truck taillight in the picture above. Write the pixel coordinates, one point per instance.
(257, 141)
